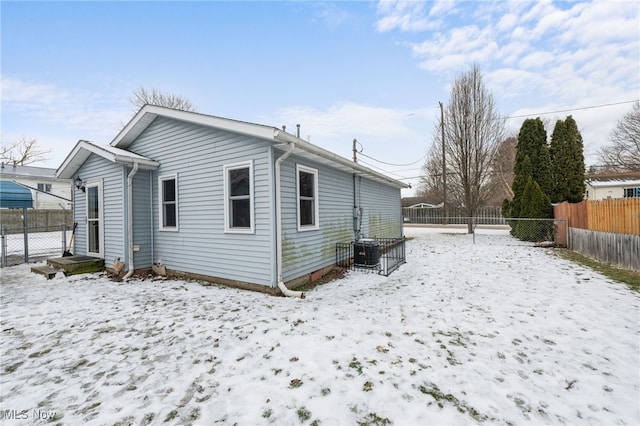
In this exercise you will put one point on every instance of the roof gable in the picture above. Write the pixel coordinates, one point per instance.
(83, 149)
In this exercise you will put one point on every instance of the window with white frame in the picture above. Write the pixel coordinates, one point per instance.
(238, 197)
(632, 192)
(307, 183)
(168, 197)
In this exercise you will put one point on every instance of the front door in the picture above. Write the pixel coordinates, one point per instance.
(95, 240)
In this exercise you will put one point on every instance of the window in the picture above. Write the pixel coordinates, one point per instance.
(307, 180)
(631, 192)
(168, 188)
(238, 196)
(44, 187)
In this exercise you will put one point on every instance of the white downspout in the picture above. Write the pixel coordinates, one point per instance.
(130, 218)
(283, 288)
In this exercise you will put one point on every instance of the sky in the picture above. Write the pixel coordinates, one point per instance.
(365, 70)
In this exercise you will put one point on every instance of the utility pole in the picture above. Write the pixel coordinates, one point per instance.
(355, 151)
(444, 169)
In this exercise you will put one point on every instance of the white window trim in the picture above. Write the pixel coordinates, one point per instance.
(98, 184)
(316, 204)
(161, 226)
(227, 206)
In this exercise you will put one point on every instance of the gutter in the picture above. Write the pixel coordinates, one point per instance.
(130, 218)
(283, 288)
(285, 137)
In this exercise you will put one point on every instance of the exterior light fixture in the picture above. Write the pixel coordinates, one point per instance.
(78, 183)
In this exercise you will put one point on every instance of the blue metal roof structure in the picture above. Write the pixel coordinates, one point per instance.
(14, 196)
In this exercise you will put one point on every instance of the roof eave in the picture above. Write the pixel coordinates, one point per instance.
(337, 160)
(84, 149)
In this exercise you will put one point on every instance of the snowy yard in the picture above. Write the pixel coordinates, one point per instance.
(496, 332)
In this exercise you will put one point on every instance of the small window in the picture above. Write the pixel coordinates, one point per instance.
(631, 192)
(44, 187)
(168, 203)
(307, 180)
(238, 194)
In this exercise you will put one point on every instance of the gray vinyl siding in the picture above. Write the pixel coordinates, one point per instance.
(113, 207)
(381, 209)
(142, 219)
(197, 155)
(304, 252)
(79, 217)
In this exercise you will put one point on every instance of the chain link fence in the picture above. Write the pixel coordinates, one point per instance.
(32, 243)
(540, 231)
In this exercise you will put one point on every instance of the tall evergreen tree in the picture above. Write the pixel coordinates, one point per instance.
(567, 162)
(575, 180)
(560, 155)
(535, 205)
(532, 160)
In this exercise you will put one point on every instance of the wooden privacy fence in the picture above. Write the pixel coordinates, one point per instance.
(51, 219)
(621, 250)
(606, 230)
(618, 216)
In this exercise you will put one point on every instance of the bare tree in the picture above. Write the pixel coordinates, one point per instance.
(502, 168)
(473, 131)
(143, 96)
(430, 183)
(24, 151)
(624, 153)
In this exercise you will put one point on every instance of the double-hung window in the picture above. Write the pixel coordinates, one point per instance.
(168, 202)
(307, 183)
(238, 197)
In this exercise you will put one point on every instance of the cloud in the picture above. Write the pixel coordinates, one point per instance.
(330, 13)
(536, 56)
(410, 15)
(93, 114)
(389, 135)
(20, 94)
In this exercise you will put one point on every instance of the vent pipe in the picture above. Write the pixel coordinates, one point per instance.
(298, 131)
(284, 128)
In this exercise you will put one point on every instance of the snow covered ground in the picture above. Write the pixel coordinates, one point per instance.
(496, 332)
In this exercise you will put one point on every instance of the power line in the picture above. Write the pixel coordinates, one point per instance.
(393, 164)
(571, 109)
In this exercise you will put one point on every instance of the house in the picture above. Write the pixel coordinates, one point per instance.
(228, 201)
(419, 203)
(612, 185)
(47, 191)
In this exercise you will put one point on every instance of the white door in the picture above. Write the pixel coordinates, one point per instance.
(95, 238)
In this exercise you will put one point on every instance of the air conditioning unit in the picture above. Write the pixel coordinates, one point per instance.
(366, 253)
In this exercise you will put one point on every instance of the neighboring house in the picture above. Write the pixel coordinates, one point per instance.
(612, 185)
(47, 191)
(224, 200)
(426, 206)
(419, 202)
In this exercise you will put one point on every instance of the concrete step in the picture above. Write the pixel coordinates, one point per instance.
(73, 265)
(46, 270)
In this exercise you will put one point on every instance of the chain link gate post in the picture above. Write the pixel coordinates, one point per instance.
(3, 247)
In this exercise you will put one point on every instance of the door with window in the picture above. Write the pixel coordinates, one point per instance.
(95, 239)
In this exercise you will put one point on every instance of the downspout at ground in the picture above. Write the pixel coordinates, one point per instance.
(130, 218)
(283, 288)
(357, 221)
